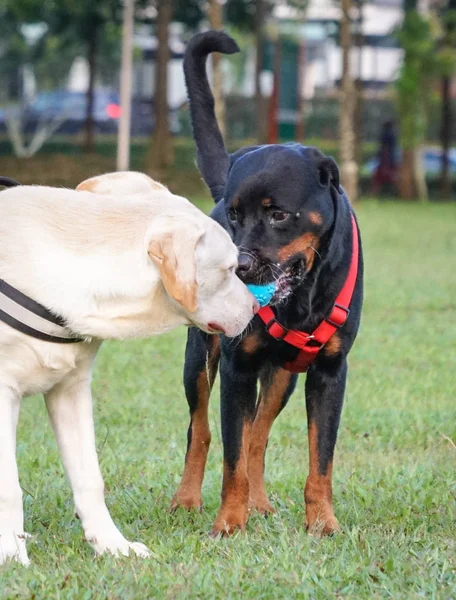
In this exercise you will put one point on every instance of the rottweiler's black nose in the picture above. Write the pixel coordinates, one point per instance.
(246, 264)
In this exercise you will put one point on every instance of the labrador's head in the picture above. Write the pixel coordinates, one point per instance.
(197, 262)
(120, 183)
(195, 257)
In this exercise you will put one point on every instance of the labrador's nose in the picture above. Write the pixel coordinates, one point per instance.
(246, 264)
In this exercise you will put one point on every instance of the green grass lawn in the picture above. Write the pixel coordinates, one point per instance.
(394, 485)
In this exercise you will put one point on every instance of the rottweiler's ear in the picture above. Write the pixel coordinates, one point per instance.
(329, 172)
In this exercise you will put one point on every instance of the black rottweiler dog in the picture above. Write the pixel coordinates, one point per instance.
(284, 209)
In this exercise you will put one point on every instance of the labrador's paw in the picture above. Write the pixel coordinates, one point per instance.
(13, 547)
(113, 542)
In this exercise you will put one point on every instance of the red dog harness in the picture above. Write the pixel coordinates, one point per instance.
(336, 319)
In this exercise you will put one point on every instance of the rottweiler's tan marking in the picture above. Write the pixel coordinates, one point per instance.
(188, 493)
(333, 345)
(235, 492)
(251, 343)
(304, 245)
(269, 407)
(315, 218)
(320, 519)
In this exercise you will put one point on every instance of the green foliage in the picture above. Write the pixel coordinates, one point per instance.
(54, 57)
(410, 5)
(69, 27)
(238, 14)
(14, 49)
(394, 488)
(241, 13)
(447, 41)
(429, 43)
(84, 16)
(414, 84)
(189, 12)
(28, 11)
(301, 5)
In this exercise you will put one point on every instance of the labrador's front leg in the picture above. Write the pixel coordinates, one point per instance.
(12, 535)
(70, 410)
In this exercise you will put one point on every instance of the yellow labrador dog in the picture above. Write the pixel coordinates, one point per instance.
(121, 257)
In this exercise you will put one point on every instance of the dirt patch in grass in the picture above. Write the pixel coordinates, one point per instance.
(63, 163)
(67, 171)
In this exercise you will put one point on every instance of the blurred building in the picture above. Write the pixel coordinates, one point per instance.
(311, 56)
(375, 58)
(311, 61)
(144, 69)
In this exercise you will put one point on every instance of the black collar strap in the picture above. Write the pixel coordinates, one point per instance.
(27, 316)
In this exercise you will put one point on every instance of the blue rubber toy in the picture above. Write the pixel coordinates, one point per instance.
(263, 293)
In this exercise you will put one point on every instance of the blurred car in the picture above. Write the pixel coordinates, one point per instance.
(432, 162)
(71, 107)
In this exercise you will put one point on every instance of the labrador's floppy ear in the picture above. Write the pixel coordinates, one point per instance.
(173, 251)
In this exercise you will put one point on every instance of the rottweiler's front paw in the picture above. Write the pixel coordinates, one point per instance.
(186, 501)
(229, 521)
(320, 520)
(261, 505)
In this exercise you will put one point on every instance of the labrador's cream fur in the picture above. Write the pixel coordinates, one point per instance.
(120, 257)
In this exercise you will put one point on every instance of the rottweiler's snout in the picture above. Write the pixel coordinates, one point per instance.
(246, 265)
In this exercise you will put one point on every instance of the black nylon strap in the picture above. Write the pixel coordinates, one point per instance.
(36, 308)
(12, 322)
(29, 304)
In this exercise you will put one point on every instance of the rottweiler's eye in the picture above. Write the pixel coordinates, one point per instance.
(232, 215)
(278, 216)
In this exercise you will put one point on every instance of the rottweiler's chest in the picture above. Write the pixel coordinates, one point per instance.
(261, 346)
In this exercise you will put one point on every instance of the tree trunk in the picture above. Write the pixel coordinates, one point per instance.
(161, 153)
(349, 167)
(260, 101)
(445, 135)
(126, 74)
(420, 176)
(358, 122)
(446, 123)
(215, 14)
(358, 111)
(300, 116)
(407, 189)
(273, 109)
(92, 48)
(412, 180)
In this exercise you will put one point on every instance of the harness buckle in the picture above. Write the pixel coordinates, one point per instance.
(281, 330)
(335, 318)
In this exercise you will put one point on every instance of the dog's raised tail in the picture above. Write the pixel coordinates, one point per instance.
(8, 182)
(213, 159)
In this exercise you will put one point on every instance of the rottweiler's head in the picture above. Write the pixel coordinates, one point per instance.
(279, 202)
